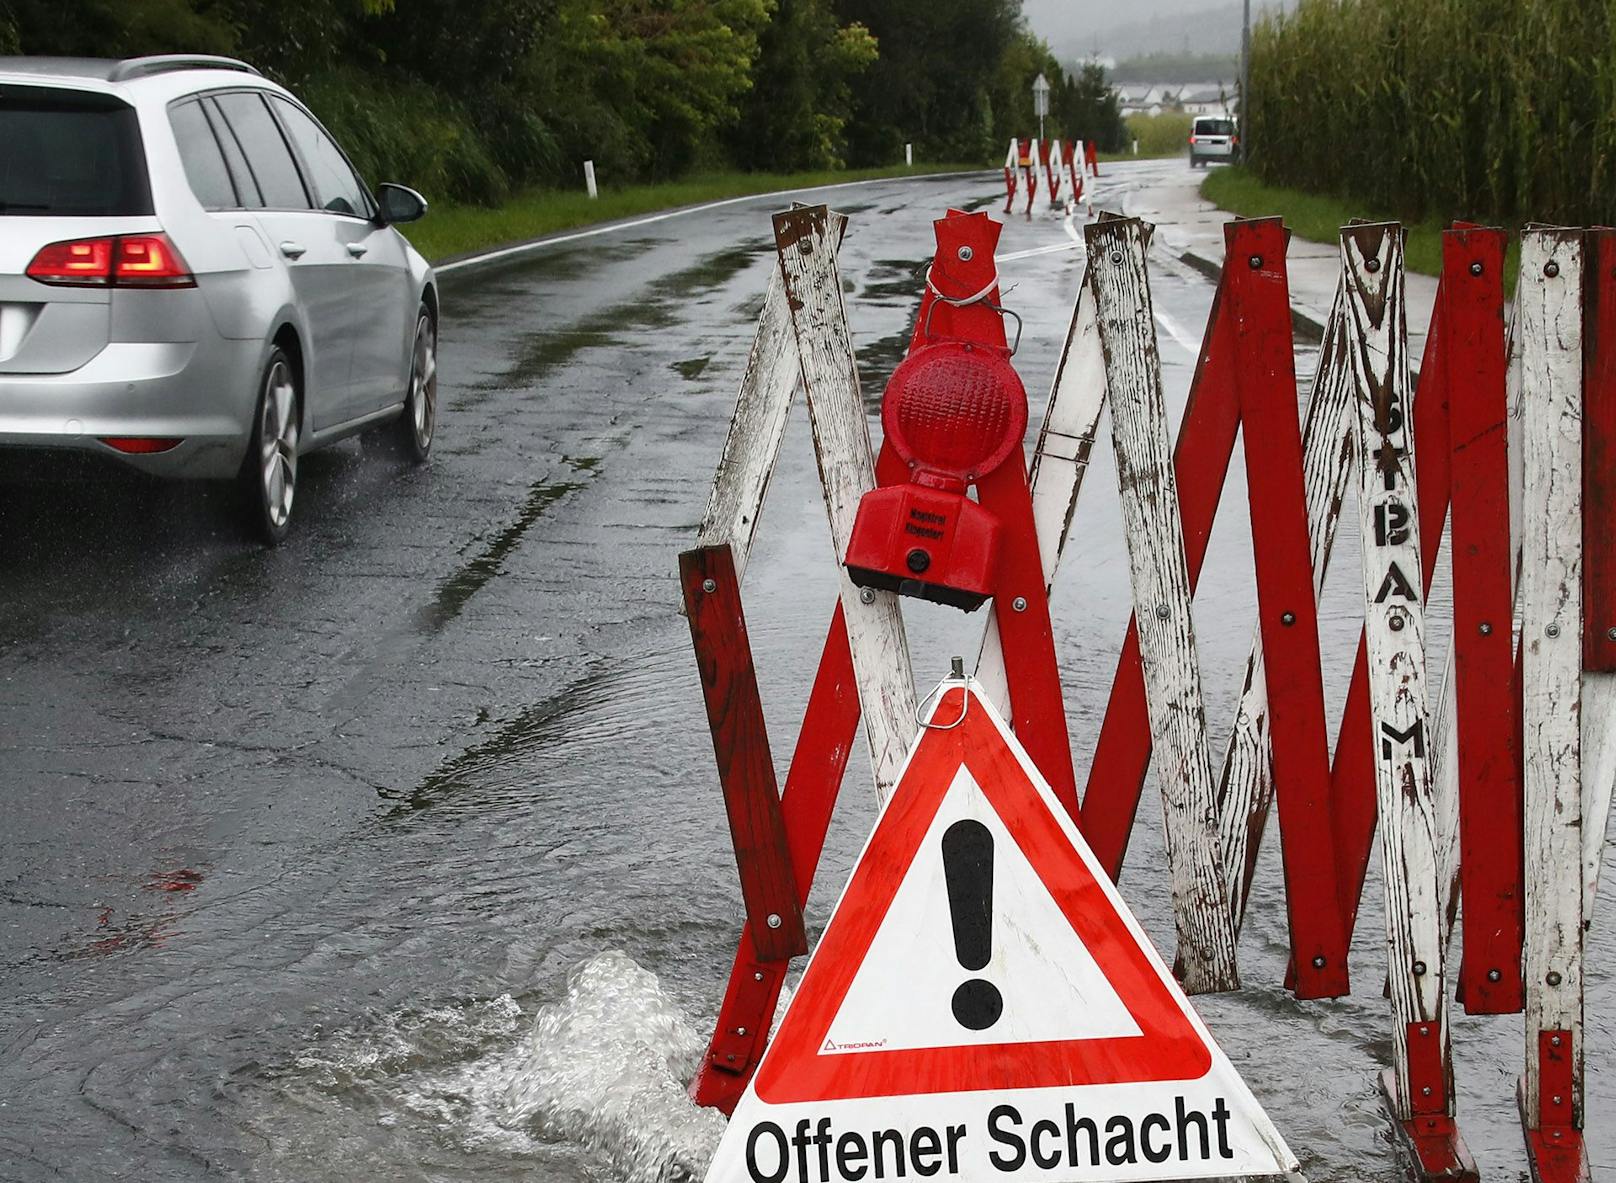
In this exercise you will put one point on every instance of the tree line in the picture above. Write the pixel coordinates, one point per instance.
(1488, 110)
(474, 99)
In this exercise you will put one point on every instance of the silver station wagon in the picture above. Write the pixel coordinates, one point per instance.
(195, 281)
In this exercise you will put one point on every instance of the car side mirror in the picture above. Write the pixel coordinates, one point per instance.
(399, 204)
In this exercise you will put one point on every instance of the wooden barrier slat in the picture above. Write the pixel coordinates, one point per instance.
(762, 407)
(1599, 455)
(1372, 258)
(1161, 587)
(813, 289)
(1548, 302)
(1352, 773)
(1059, 463)
(712, 594)
(1483, 601)
(1201, 458)
(1329, 435)
(1599, 552)
(1264, 364)
(818, 766)
(1598, 775)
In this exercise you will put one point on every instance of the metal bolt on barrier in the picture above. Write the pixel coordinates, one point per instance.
(1485, 629)
(1288, 619)
(867, 595)
(1419, 969)
(1553, 978)
(1371, 265)
(1019, 603)
(1475, 269)
(1254, 262)
(709, 585)
(1551, 269)
(774, 920)
(1495, 975)
(1552, 630)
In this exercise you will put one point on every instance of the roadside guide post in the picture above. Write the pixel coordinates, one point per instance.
(982, 1002)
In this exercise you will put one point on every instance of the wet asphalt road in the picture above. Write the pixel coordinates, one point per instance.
(396, 853)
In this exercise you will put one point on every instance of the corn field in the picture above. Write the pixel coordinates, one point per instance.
(1499, 111)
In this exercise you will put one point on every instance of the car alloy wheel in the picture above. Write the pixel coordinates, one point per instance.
(421, 402)
(272, 461)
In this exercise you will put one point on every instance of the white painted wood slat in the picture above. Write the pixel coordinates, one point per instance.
(1058, 465)
(752, 447)
(1160, 572)
(1372, 269)
(1549, 307)
(813, 292)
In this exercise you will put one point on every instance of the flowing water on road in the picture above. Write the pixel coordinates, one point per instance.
(397, 853)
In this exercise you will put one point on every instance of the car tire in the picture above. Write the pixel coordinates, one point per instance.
(269, 472)
(418, 424)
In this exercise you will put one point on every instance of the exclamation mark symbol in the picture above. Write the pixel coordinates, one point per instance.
(968, 870)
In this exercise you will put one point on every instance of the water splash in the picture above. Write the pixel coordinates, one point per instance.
(603, 1068)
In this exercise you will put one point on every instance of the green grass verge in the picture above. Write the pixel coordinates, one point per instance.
(451, 230)
(1319, 218)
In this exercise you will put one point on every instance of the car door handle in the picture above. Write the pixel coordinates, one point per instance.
(294, 250)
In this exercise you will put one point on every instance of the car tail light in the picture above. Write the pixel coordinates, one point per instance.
(140, 445)
(149, 261)
(130, 260)
(1192, 139)
(85, 262)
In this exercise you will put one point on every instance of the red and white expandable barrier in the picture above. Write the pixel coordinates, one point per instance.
(1439, 772)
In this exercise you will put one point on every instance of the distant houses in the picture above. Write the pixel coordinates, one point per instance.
(1205, 98)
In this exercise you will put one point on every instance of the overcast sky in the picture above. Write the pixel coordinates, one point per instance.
(1076, 26)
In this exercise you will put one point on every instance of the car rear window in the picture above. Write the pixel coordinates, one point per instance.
(1214, 127)
(70, 153)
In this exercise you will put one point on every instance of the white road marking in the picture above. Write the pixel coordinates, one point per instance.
(524, 247)
(1176, 331)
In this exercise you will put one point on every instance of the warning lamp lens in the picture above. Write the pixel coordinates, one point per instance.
(87, 262)
(131, 261)
(140, 445)
(955, 411)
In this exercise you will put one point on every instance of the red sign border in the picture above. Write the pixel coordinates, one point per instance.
(1169, 1046)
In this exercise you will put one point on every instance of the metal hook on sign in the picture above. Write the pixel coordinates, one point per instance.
(925, 330)
(956, 677)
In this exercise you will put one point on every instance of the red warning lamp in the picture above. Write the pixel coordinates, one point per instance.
(954, 411)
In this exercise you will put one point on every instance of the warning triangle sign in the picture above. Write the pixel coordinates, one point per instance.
(983, 1005)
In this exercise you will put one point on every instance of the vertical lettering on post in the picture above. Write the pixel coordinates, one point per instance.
(1372, 263)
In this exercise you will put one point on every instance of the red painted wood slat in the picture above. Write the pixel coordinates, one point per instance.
(1264, 365)
(741, 743)
(1484, 664)
(1599, 455)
